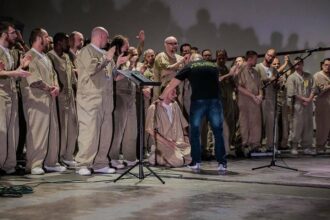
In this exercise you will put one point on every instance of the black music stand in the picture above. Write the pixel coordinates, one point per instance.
(140, 81)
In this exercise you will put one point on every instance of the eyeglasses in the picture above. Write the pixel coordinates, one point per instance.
(172, 43)
(270, 55)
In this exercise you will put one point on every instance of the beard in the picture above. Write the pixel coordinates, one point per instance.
(44, 45)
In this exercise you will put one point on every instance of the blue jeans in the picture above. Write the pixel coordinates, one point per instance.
(212, 109)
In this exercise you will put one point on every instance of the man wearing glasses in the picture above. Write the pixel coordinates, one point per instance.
(167, 63)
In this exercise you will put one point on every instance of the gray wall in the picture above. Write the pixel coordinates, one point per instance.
(236, 25)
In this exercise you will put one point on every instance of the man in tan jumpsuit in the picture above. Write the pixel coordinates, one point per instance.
(322, 105)
(283, 119)
(66, 102)
(249, 103)
(167, 63)
(39, 93)
(167, 125)
(95, 104)
(300, 93)
(125, 122)
(268, 73)
(8, 99)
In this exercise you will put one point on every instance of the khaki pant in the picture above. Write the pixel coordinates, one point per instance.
(249, 121)
(68, 126)
(302, 126)
(125, 128)
(284, 122)
(8, 131)
(322, 119)
(268, 113)
(42, 138)
(172, 157)
(94, 113)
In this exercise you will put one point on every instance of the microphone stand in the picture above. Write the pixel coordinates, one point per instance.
(276, 112)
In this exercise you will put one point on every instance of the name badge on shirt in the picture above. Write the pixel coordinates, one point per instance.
(306, 83)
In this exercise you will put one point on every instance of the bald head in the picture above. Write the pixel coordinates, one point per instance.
(170, 39)
(171, 45)
(269, 57)
(99, 37)
(195, 57)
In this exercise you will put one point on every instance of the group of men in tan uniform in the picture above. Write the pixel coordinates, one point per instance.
(56, 112)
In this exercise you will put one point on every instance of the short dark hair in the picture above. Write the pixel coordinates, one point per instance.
(221, 51)
(194, 48)
(118, 41)
(184, 45)
(250, 53)
(58, 37)
(37, 32)
(4, 27)
(326, 59)
(205, 51)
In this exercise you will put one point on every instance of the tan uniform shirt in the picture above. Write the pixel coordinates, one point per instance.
(8, 113)
(249, 112)
(94, 107)
(66, 104)
(322, 108)
(161, 72)
(42, 139)
(157, 118)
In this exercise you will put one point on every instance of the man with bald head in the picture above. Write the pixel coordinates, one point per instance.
(167, 63)
(95, 103)
(268, 73)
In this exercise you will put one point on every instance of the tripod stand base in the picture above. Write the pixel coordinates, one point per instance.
(273, 164)
(141, 175)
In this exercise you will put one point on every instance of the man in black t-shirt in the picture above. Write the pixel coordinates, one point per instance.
(205, 101)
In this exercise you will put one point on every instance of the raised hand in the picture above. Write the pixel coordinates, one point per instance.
(25, 61)
(110, 53)
(122, 59)
(141, 36)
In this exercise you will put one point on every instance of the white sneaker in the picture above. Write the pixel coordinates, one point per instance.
(222, 167)
(309, 151)
(130, 163)
(294, 151)
(70, 163)
(10, 171)
(84, 171)
(105, 170)
(37, 171)
(152, 158)
(195, 166)
(57, 168)
(117, 164)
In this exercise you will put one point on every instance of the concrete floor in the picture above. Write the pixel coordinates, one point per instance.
(270, 193)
